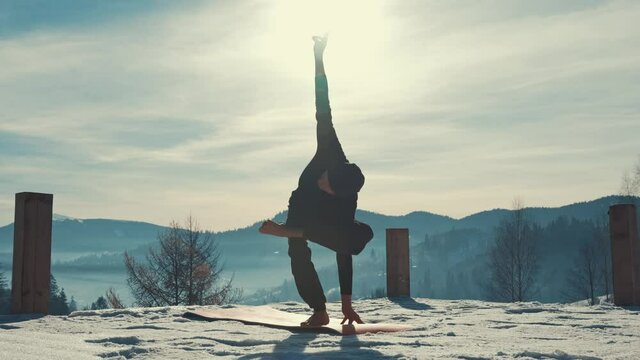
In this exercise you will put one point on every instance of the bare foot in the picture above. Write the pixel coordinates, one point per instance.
(317, 319)
(271, 228)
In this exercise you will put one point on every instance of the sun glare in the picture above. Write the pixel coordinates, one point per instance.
(355, 30)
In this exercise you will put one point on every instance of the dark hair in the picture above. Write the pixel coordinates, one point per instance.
(346, 179)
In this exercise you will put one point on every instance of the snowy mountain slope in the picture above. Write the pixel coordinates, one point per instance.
(91, 235)
(444, 330)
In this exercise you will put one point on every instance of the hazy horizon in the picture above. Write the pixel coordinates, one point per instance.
(150, 111)
(63, 217)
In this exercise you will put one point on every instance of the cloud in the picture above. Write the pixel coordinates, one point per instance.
(152, 110)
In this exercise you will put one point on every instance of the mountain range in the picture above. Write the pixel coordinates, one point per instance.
(72, 235)
(260, 261)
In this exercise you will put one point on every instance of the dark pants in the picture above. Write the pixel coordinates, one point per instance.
(304, 273)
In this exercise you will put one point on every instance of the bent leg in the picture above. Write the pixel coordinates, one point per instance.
(349, 239)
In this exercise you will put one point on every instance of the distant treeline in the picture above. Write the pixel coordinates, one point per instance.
(59, 302)
(455, 264)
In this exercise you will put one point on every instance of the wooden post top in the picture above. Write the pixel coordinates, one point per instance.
(35, 195)
(620, 206)
(399, 231)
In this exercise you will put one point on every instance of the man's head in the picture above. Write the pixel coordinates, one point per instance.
(342, 180)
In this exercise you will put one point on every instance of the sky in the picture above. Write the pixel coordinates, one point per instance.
(154, 110)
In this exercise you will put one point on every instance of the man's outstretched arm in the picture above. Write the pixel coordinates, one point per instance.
(345, 274)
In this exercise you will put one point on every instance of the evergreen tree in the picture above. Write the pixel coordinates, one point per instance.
(99, 304)
(62, 303)
(73, 305)
(57, 298)
(424, 282)
(53, 288)
(5, 295)
(54, 299)
(451, 286)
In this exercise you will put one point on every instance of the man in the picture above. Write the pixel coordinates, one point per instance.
(322, 210)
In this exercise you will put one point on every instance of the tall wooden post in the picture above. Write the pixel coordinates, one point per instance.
(31, 253)
(625, 254)
(398, 280)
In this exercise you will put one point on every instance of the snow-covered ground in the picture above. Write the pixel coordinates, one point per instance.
(443, 329)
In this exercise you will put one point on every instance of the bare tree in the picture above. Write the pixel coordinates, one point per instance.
(631, 181)
(113, 299)
(583, 280)
(183, 270)
(603, 253)
(513, 258)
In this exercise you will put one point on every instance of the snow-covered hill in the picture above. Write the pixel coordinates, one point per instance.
(444, 329)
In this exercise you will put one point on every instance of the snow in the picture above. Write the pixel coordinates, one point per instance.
(444, 329)
(60, 217)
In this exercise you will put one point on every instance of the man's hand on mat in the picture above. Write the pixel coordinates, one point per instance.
(351, 315)
(348, 312)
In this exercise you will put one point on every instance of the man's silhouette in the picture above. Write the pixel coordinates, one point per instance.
(322, 210)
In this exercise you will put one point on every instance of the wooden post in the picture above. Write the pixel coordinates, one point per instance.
(625, 254)
(398, 280)
(31, 253)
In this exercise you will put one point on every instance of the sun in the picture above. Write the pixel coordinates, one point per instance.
(356, 29)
